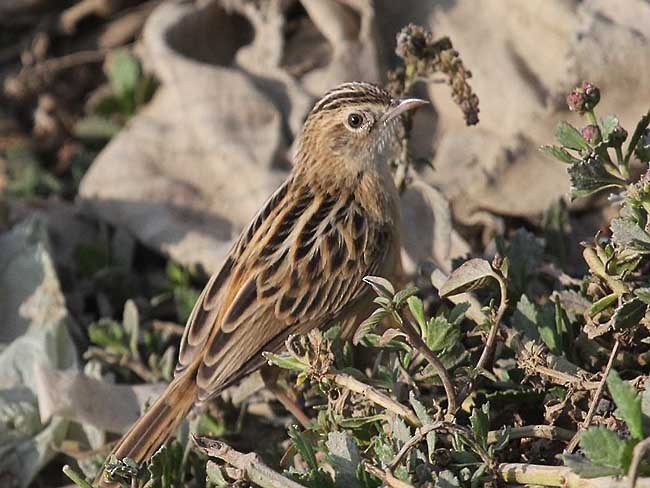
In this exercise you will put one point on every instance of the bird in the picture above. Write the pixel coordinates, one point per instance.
(299, 264)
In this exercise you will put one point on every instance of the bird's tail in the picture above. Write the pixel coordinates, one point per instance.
(156, 426)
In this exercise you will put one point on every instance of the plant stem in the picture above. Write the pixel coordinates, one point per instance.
(351, 383)
(534, 474)
(490, 342)
(594, 401)
(416, 341)
(640, 451)
(387, 478)
(549, 432)
(622, 165)
(75, 477)
(641, 126)
(251, 464)
(421, 433)
(492, 336)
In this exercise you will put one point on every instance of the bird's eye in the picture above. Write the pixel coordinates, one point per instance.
(355, 120)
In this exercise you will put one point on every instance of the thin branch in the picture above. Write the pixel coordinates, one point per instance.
(486, 356)
(416, 341)
(250, 464)
(350, 382)
(421, 433)
(640, 450)
(539, 475)
(594, 401)
(549, 432)
(387, 478)
(124, 360)
(488, 350)
(169, 327)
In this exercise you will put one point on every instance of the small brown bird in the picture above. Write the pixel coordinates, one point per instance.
(299, 264)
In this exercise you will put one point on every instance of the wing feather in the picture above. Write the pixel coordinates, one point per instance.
(297, 266)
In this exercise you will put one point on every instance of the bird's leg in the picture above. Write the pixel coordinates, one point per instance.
(270, 375)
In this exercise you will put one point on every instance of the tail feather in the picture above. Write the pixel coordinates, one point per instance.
(151, 430)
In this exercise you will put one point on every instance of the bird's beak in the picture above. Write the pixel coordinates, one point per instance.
(399, 106)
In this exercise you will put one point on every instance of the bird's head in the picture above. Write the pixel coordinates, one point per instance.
(358, 123)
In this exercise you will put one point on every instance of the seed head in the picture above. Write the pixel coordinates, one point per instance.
(583, 98)
(590, 133)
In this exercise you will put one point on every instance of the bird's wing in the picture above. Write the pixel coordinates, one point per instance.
(297, 266)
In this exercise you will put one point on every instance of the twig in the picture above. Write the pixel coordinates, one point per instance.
(538, 475)
(75, 477)
(52, 65)
(490, 342)
(250, 464)
(416, 341)
(124, 360)
(594, 401)
(640, 450)
(558, 369)
(347, 381)
(492, 335)
(421, 433)
(165, 326)
(387, 478)
(549, 432)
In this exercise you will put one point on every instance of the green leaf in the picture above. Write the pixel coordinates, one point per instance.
(131, 322)
(602, 303)
(605, 448)
(109, 335)
(590, 176)
(548, 328)
(627, 402)
(629, 314)
(344, 457)
(425, 418)
(167, 465)
(480, 422)
(401, 432)
(560, 154)
(404, 294)
(124, 73)
(627, 233)
(369, 324)
(568, 136)
(382, 286)
(215, 475)
(95, 128)
(417, 309)
(585, 468)
(356, 422)
(645, 408)
(76, 477)
(185, 298)
(557, 227)
(303, 445)
(643, 294)
(440, 334)
(524, 318)
(524, 253)
(457, 314)
(638, 131)
(469, 276)
(446, 479)
(285, 361)
(607, 126)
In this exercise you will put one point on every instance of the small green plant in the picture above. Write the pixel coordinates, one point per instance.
(131, 88)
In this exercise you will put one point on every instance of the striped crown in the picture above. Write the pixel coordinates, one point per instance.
(352, 92)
